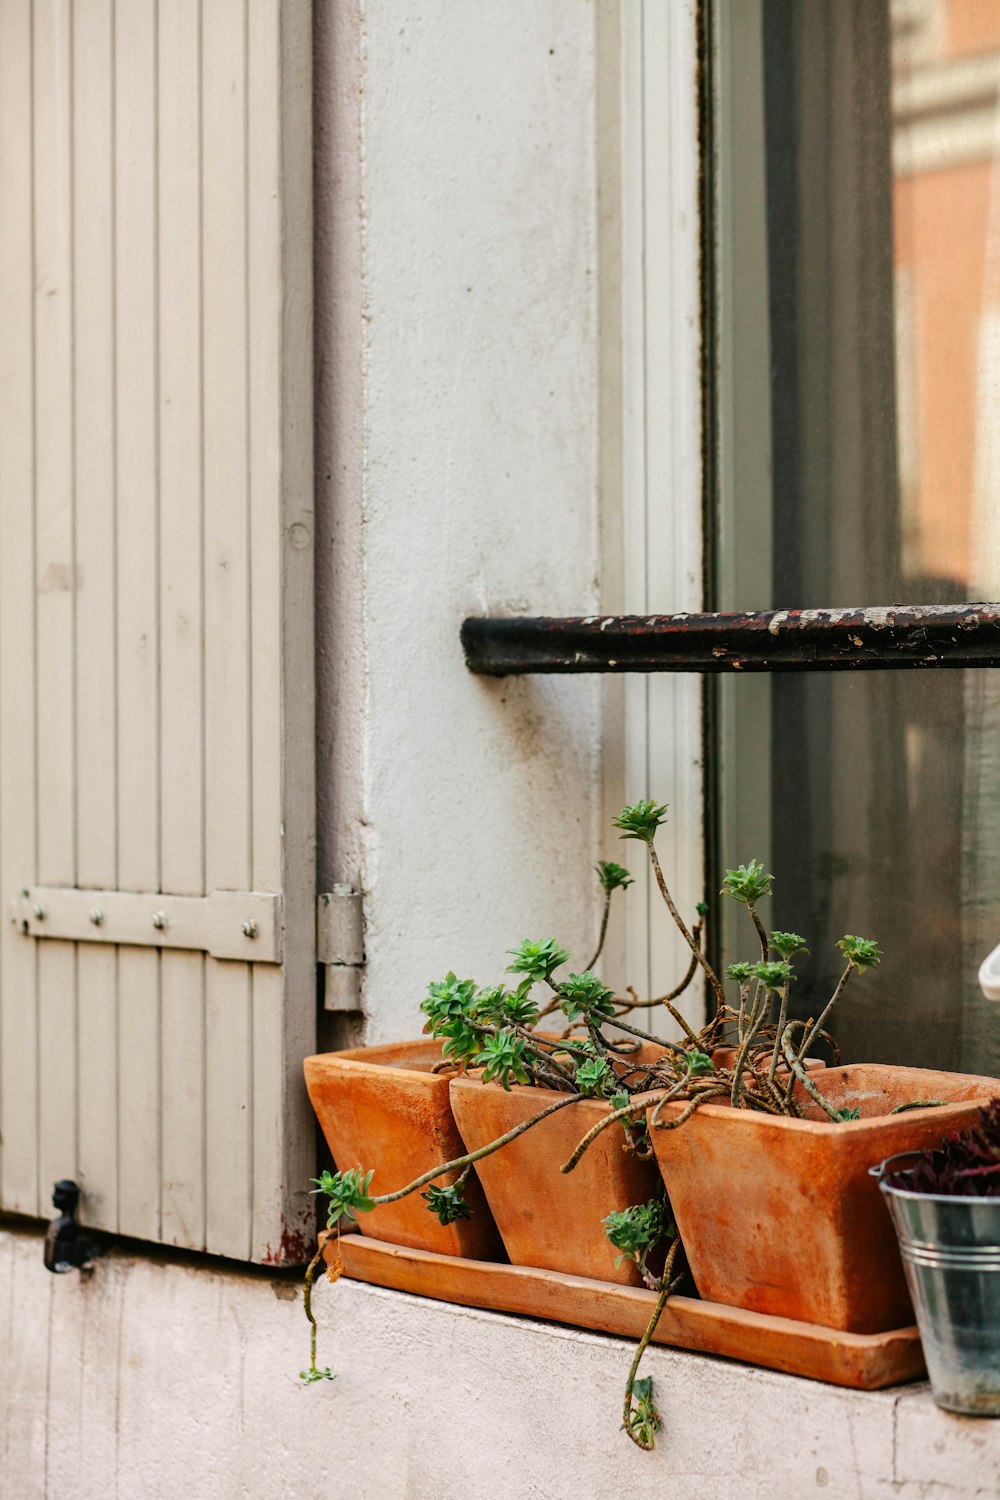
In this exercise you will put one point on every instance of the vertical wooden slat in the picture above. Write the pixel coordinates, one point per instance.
(181, 679)
(94, 398)
(56, 577)
(137, 593)
(264, 376)
(18, 1019)
(279, 107)
(228, 1020)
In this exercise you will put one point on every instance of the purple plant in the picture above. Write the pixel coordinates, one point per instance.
(966, 1164)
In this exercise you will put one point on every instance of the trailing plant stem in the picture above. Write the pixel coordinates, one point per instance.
(782, 1014)
(635, 1107)
(643, 1344)
(307, 1304)
(741, 1060)
(604, 929)
(741, 1023)
(818, 1024)
(762, 935)
(686, 1112)
(691, 1036)
(799, 1072)
(699, 957)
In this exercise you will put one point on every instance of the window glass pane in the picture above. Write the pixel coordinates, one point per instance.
(859, 447)
(885, 796)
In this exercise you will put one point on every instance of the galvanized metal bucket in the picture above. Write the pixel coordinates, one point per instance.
(951, 1255)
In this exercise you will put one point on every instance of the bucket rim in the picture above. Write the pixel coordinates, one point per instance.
(888, 1165)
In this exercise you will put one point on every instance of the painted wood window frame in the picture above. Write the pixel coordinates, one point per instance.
(651, 431)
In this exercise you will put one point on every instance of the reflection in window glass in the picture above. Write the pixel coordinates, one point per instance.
(875, 480)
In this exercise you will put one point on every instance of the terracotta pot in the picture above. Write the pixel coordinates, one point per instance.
(383, 1107)
(781, 1216)
(549, 1219)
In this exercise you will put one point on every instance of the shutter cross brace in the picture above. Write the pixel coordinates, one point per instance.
(240, 925)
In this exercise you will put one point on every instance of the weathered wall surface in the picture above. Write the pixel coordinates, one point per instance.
(457, 433)
(162, 1380)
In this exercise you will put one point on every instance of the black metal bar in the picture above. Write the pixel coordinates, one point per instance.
(784, 640)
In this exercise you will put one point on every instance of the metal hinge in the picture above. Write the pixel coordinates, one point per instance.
(340, 946)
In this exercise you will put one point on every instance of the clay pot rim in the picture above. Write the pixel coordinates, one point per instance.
(380, 1055)
(473, 1078)
(381, 1058)
(757, 1119)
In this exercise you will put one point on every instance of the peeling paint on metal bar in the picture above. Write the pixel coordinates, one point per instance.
(878, 637)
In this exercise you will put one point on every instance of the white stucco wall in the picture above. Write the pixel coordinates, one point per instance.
(457, 428)
(159, 1379)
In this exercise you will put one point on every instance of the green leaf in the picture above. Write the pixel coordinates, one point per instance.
(861, 953)
(634, 1231)
(309, 1377)
(450, 1007)
(741, 972)
(586, 995)
(641, 820)
(773, 976)
(447, 999)
(499, 1006)
(347, 1192)
(788, 944)
(747, 883)
(612, 877)
(505, 1057)
(447, 1204)
(644, 1419)
(536, 961)
(847, 1113)
(594, 1076)
(698, 1063)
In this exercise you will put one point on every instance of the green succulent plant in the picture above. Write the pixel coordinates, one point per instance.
(504, 1058)
(747, 883)
(447, 1203)
(536, 961)
(773, 976)
(499, 1006)
(347, 1192)
(861, 953)
(613, 877)
(594, 1076)
(742, 972)
(585, 995)
(641, 820)
(637, 1230)
(602, 1054)
(450, 1007)
(698, 1064)
(787, 944)
(644, 1420)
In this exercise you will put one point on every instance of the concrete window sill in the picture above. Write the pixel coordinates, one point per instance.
(160, 1365)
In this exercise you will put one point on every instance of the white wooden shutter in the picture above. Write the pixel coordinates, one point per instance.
(156, 617)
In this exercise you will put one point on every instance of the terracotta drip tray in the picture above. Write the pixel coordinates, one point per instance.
(863, 1361)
